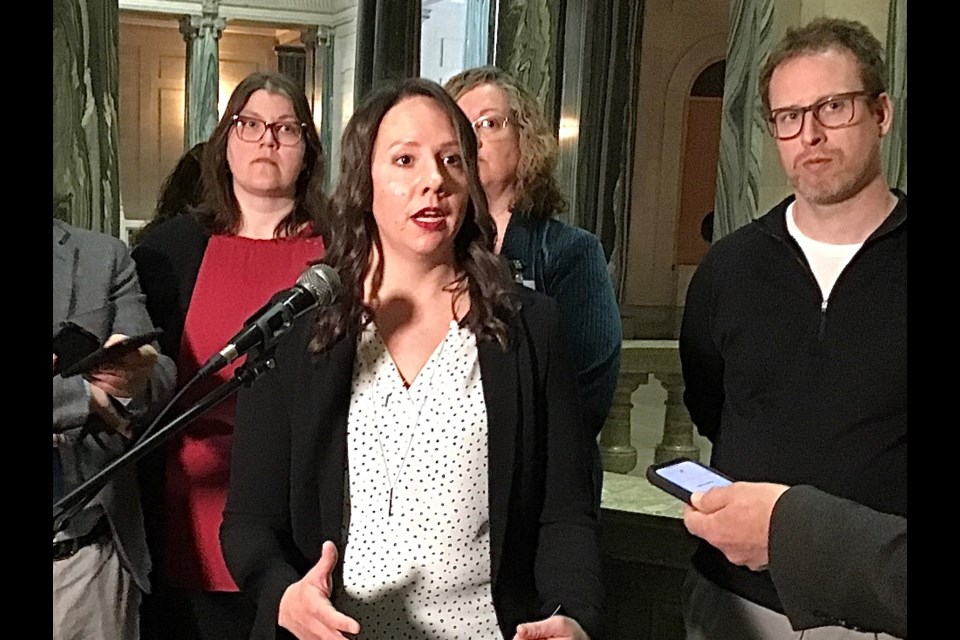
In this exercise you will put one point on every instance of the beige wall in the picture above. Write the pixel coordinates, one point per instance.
(152, 71)
(680, 39)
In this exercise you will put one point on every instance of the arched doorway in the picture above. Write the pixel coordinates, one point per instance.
(698, 173)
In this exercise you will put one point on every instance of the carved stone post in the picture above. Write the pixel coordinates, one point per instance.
(202, 34)
(616, 452)
(677, 426)
(639, 359)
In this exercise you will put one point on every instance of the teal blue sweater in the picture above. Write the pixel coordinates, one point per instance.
(567, 263)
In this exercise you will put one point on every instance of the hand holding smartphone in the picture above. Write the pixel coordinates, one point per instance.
(682, 477)
(79, 351)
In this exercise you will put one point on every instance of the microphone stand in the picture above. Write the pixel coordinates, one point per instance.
(255, 365)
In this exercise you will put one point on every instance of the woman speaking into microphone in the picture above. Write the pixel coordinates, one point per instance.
(414, 466)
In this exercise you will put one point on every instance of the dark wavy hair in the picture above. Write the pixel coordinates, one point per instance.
(181, 192)
(537, 193)
(219, 210)
(824, 34)
(353, 233)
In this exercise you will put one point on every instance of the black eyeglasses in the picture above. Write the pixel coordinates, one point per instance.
(285, 132)
(833, 112)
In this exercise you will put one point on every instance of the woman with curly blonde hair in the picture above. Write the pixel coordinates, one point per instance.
(517, 152)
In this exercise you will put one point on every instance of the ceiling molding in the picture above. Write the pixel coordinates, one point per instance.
(290, 12)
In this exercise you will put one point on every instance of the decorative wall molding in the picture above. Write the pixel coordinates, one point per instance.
(319, 12)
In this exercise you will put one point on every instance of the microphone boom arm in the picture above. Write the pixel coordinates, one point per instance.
(255, 366)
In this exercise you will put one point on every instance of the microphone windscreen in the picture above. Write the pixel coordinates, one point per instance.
(322, 281)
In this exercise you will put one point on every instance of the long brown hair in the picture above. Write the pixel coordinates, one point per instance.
(353, 234)
(219, 210)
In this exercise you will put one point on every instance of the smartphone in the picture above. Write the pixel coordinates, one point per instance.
(682, 476)
(71, 344)
(101, 355)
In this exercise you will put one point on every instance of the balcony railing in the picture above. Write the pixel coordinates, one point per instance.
(638, 361)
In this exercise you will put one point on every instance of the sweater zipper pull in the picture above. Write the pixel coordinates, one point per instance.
(823, 319)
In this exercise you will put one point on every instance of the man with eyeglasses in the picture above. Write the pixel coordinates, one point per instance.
(794, 351)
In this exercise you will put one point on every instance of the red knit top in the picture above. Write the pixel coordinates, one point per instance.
(237, 276)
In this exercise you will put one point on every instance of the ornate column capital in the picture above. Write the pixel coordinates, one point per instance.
(309, 36)
(205, 26)
(325, 36)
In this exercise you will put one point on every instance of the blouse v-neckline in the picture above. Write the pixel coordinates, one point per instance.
(396, 377)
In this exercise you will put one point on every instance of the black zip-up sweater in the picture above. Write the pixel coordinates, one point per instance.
(795, 389)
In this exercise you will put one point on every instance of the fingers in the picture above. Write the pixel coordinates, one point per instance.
(145, 354)
(696, 501)
(695, 521)
(555, 627)
(114, 339)
(338, 621)
(138, 362)
(703, 504)
(306, 610)
(102, 406)
(711, 500)
(325, 623)
(321, 574)
(127, 375)
(116, 386)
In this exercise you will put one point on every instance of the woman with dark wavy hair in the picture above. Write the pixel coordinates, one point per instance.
(517, 157)
(419, 438)
(204, 272)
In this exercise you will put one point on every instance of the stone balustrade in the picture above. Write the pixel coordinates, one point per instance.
(640, 359)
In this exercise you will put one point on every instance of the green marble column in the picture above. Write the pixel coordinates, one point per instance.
(528, 45)
(895, 144)
(742, 130)
(86, 186)
(202, 35)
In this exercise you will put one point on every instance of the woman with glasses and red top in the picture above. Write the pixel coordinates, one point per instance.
(517, 156)
(204, 273)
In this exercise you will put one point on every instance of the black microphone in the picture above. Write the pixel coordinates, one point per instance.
(319, 285)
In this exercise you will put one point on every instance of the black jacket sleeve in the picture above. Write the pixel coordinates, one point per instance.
(168, 260)
(256, 534)
(837, 562)
(567, 568)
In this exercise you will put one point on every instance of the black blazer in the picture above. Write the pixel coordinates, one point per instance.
(286, 482)
(168, 261)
